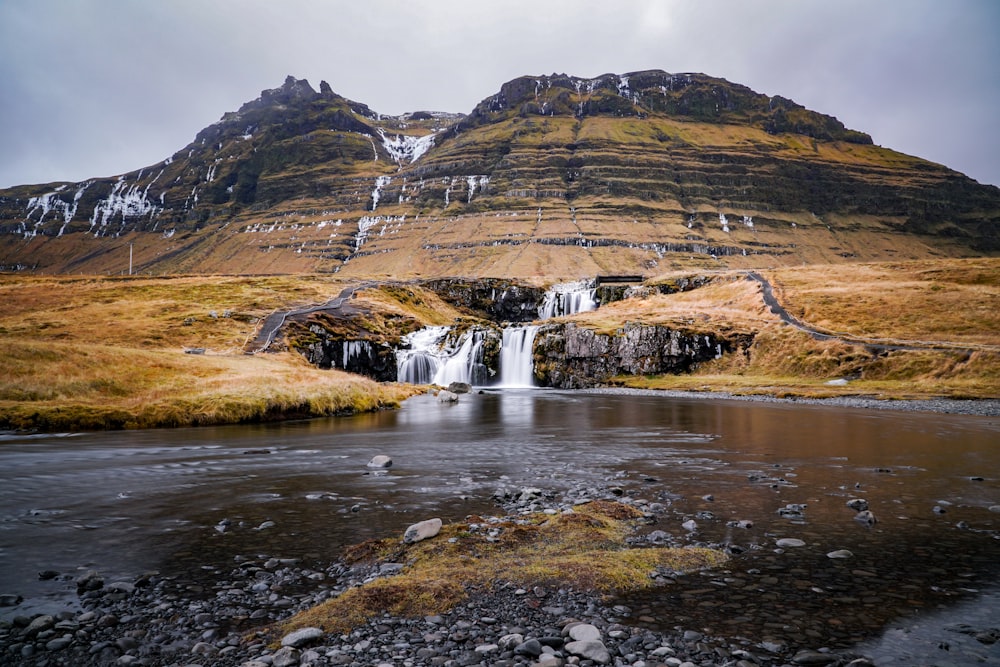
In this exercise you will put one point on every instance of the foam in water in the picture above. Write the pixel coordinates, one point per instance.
(516, 365)
(568, 299)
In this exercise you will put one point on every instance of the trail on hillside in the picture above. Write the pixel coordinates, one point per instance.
(886, 344)
(272, 323)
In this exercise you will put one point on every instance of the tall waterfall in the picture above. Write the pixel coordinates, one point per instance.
(429, 360)
(567, 299)
(516, 365)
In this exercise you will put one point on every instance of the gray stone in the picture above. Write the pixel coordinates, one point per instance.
(460, 387)
(285, 656)
(10, 600)
(857, 504)
(445, 396)
(840, 553)
(790, 542)
(422, 531)
(531, 648)
(510, 642)
(59, 643)
(813, 658)
(866, 517)
(590, 650)
(39, 624)
(690, 525)
(380, 461)
(584, 632)
(302, 637)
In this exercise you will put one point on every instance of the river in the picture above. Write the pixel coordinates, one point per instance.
(187, 502)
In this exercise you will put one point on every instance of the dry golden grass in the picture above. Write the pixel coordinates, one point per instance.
(953, 301)
(950, 303)
(584, 550)
(96, 353)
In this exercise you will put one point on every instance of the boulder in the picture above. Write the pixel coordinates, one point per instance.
(422, 531)
(584, 632)
(866, 517)
(380, 461)
(590, 650)
(445, 396)
(460, 388)
(302, 637)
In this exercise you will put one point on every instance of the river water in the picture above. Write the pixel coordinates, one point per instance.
(188, 502)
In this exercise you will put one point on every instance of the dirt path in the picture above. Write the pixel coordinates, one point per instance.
(879, 344)
(273, 322)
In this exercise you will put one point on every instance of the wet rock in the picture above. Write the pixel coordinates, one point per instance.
(790, 542)
(39, 624)
(10, 599)
(89, 581)
(866, 517)
(583, 632)
(445, 396)
(422, 531)
(840, 553)
(380, 461)
(531, 648)
(858, 504)
(813, 658)
(460, 388)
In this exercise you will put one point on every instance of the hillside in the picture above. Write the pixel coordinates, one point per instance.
(554, 177)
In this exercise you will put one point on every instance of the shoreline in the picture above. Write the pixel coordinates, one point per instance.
(981, 407)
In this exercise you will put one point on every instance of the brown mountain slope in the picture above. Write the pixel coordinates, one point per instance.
(554, 177)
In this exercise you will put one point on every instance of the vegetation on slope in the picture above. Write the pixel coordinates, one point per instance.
(96, 353)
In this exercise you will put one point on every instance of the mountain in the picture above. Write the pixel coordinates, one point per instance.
(553, 177)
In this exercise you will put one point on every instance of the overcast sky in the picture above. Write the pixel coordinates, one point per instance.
(101, 87)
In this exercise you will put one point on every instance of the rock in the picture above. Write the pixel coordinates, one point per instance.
(790, 542)
(510, 642)
(813, 658)
(531, 648)
(690, 525)
(59, 643)
(10, 600)
(858, 504)
(584, 632)
(285, 656)
(380, 461)
(302, 637)
(460, 388)
(89, 581)
(866, 517)
(840, 553)
(445, 396)
(590, 650)
(994, 508)
(39, 624)
(422, 531)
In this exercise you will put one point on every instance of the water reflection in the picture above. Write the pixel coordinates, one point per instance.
(188, 502)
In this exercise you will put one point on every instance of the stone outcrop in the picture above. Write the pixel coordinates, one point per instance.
(497, 300)
(572, 357)
(374, 359)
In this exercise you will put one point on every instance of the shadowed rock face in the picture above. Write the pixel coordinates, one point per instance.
(551, 177)
(572, 357)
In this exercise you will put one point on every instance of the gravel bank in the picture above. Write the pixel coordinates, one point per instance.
(978, 407)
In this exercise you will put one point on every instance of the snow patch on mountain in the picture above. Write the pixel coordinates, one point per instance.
(405, 148)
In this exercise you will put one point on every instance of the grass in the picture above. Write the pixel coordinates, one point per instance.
(100, 353)
(584, 550)
(951, 305)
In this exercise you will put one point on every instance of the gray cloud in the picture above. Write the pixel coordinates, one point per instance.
(99, 87)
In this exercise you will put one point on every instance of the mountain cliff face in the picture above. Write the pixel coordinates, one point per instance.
(554, 177)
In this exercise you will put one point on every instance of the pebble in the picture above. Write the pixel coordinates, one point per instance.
(790, 542)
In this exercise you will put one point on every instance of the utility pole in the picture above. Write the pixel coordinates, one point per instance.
(130, 259)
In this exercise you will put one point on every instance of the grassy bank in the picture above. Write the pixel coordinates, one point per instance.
(100, 353)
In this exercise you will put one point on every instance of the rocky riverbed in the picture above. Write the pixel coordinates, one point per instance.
(228, 620)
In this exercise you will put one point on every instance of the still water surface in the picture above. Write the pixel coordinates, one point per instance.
(187, 502)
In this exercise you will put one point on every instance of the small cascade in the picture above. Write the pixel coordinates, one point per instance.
(430, 361)
(420, 363)
(517, 368)
(568, 299)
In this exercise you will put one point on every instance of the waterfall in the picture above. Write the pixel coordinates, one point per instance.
(568, 299)
(516, 364)
(430, 361)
